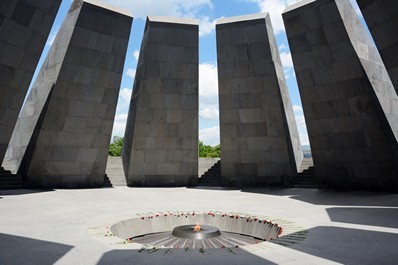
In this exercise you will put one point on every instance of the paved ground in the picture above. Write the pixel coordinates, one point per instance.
(50, 227)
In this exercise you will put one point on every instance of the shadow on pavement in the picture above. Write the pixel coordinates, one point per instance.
(180, 256)
(350, 246)
(331, 197)
(23, 192)
(383, 217)
(22, 250)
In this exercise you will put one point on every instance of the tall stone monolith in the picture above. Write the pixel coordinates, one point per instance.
(349, 102)
(260, 144)
(161, 139)
(382, 19)
(24, 29)
(63, 132)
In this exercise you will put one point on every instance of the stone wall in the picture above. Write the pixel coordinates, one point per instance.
(382, 19)
(161, 139)
(260, 144)
(349, 102)
(24, 28)
(63, 132)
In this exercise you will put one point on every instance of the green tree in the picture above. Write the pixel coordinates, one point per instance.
(208, 151)
(115, 148)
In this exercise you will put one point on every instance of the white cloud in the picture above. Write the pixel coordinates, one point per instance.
(208, 91)
(119, 126)
(210, 112)
(206, 26)
(131, 73)
(283, 47)
(136, 54)
(275, 8)
(125, 95)
(208, 81)
(301, 126)
(297, 108)
(210, 136)
(286, 58)
(175, 8)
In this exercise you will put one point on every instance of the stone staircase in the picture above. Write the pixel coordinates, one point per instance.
(8, 181)
(211, 177)
(115, 173)
(306, 177)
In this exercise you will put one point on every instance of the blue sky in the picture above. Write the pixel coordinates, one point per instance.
(207, 12)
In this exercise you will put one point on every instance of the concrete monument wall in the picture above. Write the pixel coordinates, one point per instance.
(382, 19)
(349, 102)
(24, 28)
(260, 144)
(63, 132)
(161, 139)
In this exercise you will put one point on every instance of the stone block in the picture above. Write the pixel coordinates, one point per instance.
(163, 119)
(256, 115)
(69, 113)
(381, 17)
(22, 39)
(347, 97)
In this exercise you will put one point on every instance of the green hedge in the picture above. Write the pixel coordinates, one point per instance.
(206, 151)
(115, 148)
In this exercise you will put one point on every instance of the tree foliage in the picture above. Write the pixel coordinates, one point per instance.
(115, 148)
(208, 151)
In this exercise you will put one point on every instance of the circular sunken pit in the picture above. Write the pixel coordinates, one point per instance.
(212, 230)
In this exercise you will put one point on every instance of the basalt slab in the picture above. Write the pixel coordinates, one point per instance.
(381, 17)
(349, 102)
(260, 143)
(63, 132)
(24, 29)
(161, 138)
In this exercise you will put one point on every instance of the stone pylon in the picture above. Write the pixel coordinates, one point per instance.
(382, 19)
(161, 139)
(349, 102)
(260, 143)
(63, 132)
(24, 29)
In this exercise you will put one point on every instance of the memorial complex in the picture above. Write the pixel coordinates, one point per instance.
(62, 135)
(63, 200)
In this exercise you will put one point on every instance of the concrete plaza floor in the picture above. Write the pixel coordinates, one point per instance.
(50, 227)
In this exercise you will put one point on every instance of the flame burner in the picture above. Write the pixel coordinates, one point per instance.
(192, 232)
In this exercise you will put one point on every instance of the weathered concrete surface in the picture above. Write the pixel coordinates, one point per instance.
(205, 164)
(115, 172)
(260, 144)
(350, 105)
(24, 29)
(63, 133)
(382, 19)
(161, 139)
(51, 227)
